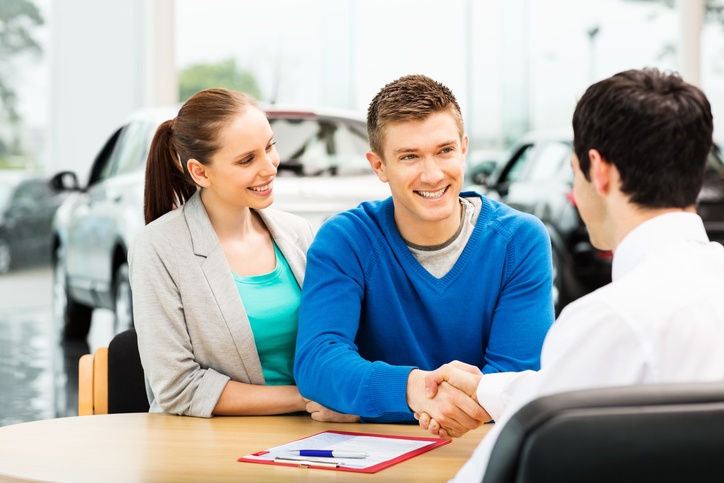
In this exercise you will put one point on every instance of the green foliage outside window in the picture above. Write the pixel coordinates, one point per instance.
(18, 19)
(222, 74)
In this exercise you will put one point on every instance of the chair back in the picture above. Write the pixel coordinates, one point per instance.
(111, 380)
(126, 383)
(644, 433)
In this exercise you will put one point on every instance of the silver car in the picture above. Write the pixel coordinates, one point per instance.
(323, 171)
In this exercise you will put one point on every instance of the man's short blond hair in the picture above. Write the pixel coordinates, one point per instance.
(409, 98)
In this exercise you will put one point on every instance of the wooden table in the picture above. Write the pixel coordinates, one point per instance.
(157, 447)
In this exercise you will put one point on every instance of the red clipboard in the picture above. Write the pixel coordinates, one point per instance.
(368, 440)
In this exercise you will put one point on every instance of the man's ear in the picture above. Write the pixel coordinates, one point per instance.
(601, 172)
(464, 149)
(198, 173)
(378, 166)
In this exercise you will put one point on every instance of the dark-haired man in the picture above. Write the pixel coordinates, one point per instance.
(641, 140)
(397, 287)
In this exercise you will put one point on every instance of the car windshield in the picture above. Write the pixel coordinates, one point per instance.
(320, 147)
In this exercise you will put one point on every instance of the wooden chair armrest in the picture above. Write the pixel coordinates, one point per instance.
(85, 385)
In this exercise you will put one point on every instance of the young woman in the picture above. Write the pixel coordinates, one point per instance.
(216, 274)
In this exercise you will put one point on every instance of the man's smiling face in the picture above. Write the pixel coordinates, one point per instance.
(424, 165)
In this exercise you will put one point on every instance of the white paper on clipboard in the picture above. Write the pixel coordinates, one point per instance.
(382, 450)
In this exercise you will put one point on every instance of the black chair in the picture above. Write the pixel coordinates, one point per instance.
(111, 380)
(643, 433)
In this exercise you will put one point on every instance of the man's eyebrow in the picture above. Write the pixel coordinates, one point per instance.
(404, 150)
(413, 150)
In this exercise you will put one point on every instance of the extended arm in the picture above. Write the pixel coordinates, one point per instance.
(328, 367)
(248, 399)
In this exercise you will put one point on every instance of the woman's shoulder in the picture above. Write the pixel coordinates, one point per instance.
(168, 227)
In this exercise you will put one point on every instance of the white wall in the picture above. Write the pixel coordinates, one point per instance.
(104, 64)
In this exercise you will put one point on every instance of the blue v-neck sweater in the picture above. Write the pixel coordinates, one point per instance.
(370, 313)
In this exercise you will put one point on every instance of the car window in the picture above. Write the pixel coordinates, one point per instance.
(515, 170)
(546, 161)
(129, 153)
(107, 168)
(714, 163)
(132, 149)
(314, 147)
(537, 162)
(104, 161)
(349, 148)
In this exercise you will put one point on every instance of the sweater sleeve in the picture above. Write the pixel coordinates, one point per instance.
(524, 312)
(328, 367)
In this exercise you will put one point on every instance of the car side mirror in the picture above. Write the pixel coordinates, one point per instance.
(65, 181)
(480, 174)
(502, 188)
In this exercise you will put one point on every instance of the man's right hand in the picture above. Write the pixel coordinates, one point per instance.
(463, 376)
(453, 410)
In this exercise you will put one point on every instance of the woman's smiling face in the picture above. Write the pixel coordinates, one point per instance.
(242, 171)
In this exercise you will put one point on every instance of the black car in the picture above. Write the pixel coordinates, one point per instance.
(536, 177)
(27, 205)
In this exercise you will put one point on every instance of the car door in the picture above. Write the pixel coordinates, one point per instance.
(98, 215)
(81, 224)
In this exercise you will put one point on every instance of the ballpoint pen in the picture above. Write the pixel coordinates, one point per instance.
(328, 453)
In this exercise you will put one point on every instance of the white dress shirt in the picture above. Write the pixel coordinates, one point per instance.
(661, 320)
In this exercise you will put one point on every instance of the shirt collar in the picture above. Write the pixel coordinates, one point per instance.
(661, 230)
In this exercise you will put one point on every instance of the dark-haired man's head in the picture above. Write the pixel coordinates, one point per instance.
(654, 127)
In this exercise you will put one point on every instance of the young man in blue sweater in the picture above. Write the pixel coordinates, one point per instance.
(398, 287)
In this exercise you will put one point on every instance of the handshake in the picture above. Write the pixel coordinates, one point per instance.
(445, 401)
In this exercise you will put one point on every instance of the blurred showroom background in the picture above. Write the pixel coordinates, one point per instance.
(515, 65)
(71, 71)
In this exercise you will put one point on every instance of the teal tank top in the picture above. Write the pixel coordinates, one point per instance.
(272, 303)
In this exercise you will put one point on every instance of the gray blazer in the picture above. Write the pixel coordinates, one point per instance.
(193, 331)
